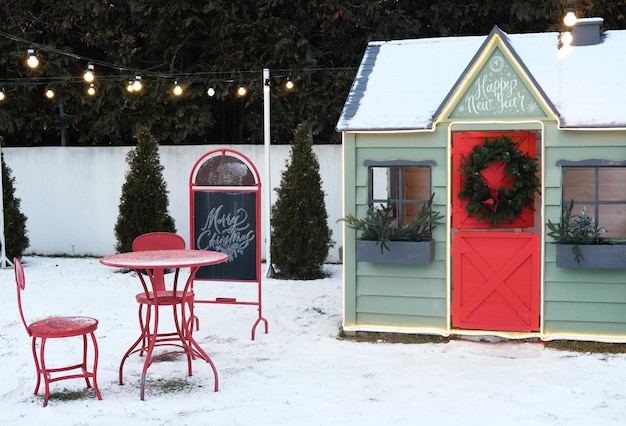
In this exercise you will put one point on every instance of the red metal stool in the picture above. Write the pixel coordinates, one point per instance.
(58, 328)
(157, 241)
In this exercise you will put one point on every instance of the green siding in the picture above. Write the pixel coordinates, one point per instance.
(391, 294)
(580, 301)
(391, 320)
(401, 306)
(402, 287)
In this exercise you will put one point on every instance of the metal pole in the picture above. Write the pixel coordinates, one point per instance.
(267, 143)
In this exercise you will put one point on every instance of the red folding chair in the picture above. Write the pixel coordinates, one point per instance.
(58, 328)
(158, 241)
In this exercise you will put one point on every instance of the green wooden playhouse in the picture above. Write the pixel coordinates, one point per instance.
(415, 113)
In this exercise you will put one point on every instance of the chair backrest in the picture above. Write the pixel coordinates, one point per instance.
(20, 280)
(159, 241)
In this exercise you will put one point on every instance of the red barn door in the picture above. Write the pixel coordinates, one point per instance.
(495, 284)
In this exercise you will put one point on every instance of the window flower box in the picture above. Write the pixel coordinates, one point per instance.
(600, 256)
(412, 252)
(580, 245)
(382, 240)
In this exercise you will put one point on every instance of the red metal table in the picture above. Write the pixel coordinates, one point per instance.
(167, 259)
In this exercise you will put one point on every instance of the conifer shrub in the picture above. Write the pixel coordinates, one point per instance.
(144, 201)
(301, 237)
(15, 236)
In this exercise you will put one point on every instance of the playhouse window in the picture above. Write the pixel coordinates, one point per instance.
(600, 189)
(406, 184)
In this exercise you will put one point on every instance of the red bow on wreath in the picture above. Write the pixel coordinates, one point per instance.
(492, 202)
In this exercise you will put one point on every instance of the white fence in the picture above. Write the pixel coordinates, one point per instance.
(71, 195)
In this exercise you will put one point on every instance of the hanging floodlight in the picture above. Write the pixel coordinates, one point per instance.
(177, 89)
(33, 60)
(211, 90)
(92, 89)
(89, 75)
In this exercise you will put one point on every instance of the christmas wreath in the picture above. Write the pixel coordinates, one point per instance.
(497, 205)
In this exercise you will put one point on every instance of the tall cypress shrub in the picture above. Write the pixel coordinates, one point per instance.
(15, 236)
(144, 201)
(300, 237)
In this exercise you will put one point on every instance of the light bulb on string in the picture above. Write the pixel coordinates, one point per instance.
(567, 38)
(177, 89)
(89, 75)
(49, 92)
(33, 60)
(242, 89)
(129, 87)
(211, 90)
(137, 83)
(92, 89)
(2, 95)
(289, 83)
(570, 18)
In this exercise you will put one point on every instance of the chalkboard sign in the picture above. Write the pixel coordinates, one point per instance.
(225, 198)
(226, 222)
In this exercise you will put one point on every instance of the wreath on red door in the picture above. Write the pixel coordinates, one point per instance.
(497, 205)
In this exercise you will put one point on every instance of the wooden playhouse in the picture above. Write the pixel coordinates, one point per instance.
(422, 113)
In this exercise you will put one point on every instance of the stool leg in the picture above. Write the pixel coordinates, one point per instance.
(37, 364)
(95, 365)
(83, 367)
(142, 326)
(44, 372)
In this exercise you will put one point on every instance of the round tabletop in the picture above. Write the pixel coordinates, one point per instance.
(149, 259)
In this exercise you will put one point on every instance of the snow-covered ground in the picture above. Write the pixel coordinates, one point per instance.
(298, 374)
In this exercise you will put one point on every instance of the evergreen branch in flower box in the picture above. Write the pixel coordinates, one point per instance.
(380, 225)
(578, 229)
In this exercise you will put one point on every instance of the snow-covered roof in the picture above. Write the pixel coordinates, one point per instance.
(403, 84)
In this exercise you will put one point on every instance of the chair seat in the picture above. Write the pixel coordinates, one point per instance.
(166, 297)
(57, 327)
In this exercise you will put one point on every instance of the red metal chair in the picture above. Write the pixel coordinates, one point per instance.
(58, 328)
(158, 241)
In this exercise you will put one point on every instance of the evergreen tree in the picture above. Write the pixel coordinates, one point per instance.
(14, 220)
(300, 237)
(144, 202)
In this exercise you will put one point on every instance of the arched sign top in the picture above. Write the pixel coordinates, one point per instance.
(224, 167)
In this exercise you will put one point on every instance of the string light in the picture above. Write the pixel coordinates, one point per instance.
(137, 83)
(89, 75)
(566, 38)
(177, 89)
(92, 89)
(211, 90)
(289, 83)
(242, 89)
(33, 60)
(2, 95)
(570, 18)
(49, 92)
